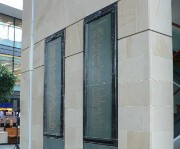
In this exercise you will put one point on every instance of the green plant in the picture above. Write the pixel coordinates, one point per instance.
(7, 82)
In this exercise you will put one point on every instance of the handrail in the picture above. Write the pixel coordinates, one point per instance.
(178, 137)
(176, 84)
(177, 89)
(176, 25)
(176, 54)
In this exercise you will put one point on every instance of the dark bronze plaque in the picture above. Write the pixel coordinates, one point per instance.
(100, 78)
(53, 88)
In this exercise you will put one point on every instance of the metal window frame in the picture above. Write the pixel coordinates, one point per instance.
(112, 9)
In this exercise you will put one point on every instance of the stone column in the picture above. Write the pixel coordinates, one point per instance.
(145, 74)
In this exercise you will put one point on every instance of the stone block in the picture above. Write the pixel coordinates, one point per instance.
(138, 93)
(161, 69)
(138, 140)
(161, 93)
(132, 17)
(160, 45)
(74, 63)
(133, 46)
(130, 118)
(74, 99)
(26, 24)
(162, 119)
(122, 139)
(37, 139)
(74, 39)
(45, 24)
(160, 19)
(162, 140)
(134, 70)
(38, 96)
(25, 60)
(74, 81)
(39, 49)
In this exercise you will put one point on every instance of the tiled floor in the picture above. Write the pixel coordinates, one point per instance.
(7, 146)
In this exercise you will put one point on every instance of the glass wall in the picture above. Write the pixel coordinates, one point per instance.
(10, 45)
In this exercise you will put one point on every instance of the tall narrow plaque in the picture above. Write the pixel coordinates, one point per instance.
(53, 88)
(99, 73)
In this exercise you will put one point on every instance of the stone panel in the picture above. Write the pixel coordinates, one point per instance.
(74, 102)
(74, 128)
(132, 17)
(161, 69)
(160, 16)
(74, 81)
(37, 139)
(24, 106)
(122, 94)
(39, 49)
(134, 94)
(131, 118)
(133, 46)
(162, 140)
(138, 140)
(147, 118)
(74, 63)
(138, 94)
(26, 25)
(68, 12)
(74, 99)
(25, 60)
(160, 45)
(122, 139)
(161, 93)
(95, 5)
(38, 95)
(162, 119)
(38, 57)
(45, 21)
(77, 10)
(74, 39)
(134, 70)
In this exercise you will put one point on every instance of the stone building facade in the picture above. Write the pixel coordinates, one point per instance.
(145, 71)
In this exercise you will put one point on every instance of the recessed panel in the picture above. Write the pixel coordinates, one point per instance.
(98, 75)
(54, 87)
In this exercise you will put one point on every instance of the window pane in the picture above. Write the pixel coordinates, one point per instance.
(18, 33)
(6, 30)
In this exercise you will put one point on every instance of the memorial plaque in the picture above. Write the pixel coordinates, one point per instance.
(99, 73)
(53, 87)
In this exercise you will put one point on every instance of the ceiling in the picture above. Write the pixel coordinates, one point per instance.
(4, 9)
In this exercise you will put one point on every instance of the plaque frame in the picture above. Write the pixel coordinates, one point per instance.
(112, 9)
(47, 40)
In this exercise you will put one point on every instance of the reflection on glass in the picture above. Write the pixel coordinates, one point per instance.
(18, 33)
(6, 60)
(7, 30)
(17, 68)
(10, 45)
